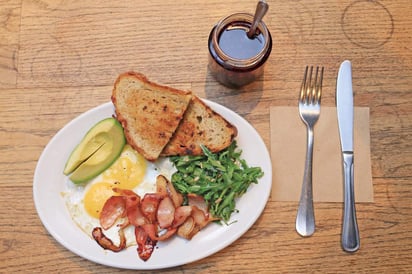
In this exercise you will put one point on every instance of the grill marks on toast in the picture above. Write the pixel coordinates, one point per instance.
(149, 113)
(163, 121)
(200, 126)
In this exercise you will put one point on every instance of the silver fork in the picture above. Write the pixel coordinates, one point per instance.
(309, 110)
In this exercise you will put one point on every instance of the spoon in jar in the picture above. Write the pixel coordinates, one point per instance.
(261, 9)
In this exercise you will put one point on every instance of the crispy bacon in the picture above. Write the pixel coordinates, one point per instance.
(192, 222)
(188, 229)
(199, 217)
(136, 216)
(165, 213)
(132, 201)
(131, 198)
(161, 185)
(181, 214)
(169, 233)
(152, 231)
(198, 201)
(150, 204)
(166, 188)
(156, 217)
(106, 243)
(113, 209)
(145, 245)
(176, 197)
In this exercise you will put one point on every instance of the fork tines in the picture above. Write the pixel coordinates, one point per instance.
(311, 89)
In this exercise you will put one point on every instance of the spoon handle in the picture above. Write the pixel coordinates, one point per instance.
(261, 9)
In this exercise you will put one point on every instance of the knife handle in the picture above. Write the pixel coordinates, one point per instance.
(350, 232)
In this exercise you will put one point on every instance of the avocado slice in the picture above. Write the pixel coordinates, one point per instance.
(98, 149)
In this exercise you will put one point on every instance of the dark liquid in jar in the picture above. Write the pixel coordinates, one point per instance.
(234, 42)
(235, 59)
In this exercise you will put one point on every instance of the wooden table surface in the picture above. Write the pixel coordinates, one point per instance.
(59, 59)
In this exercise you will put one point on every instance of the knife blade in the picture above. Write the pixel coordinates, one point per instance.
(344, 105)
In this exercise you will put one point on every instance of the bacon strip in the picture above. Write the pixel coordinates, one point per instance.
(188, 229)
(166, 188)
(152, 232)
(131, 198)
(181, 214)
(156, 217)
(165, 212)
(113, 209)
(176, 197)
(150, 204)
(199, 217)
(199, 202)
(106, 243)
(145, 245)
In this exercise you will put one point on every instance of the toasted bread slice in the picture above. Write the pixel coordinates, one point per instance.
(200, 126)
(149, 113)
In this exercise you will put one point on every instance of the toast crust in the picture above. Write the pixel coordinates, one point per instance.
(200, 126)
(149, 113)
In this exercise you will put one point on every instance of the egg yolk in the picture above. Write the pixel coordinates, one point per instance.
(128, 171)
(96, 196)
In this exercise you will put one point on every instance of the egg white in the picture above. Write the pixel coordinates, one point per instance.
(73, 196)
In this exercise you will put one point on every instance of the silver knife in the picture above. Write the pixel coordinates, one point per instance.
(344, 105)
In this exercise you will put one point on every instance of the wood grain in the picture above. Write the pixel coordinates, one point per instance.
(58, 59)
(10, 11)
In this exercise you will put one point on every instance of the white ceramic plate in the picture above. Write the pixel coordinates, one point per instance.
(49, 183)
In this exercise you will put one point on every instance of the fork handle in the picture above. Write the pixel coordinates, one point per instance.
(350, 232)
(305, 218)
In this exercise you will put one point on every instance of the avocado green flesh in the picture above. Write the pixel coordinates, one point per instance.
(99, 148)
(80, 156)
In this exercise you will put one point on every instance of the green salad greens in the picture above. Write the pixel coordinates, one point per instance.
(219, 177)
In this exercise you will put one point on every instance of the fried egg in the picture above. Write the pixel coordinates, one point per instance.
(130, 171)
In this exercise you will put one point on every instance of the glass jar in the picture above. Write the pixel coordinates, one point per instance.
(235, 59)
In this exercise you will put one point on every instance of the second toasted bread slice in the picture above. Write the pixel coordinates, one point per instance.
(149, 113)
(200, 126)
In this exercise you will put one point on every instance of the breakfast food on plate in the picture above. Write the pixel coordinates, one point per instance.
(154, 217)
(133, 203)
(149, 113)
(163, 121)
(130, 171)
(200, 126)
(128, 195)
(220, 178)
(98, 149)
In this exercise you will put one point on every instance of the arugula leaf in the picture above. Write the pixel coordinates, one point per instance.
(219, 177)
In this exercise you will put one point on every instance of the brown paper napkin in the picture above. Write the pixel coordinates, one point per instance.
(288, 149)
